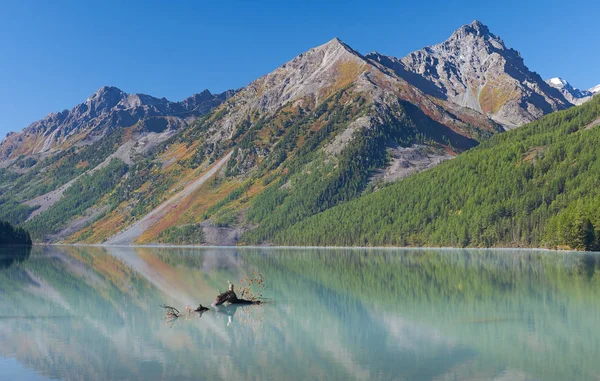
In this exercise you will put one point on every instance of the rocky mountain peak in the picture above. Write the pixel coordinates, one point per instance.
(473, 68)
(106, 90)
(474, 39)
(334, 49)
(106, 97)
(336, 43)
(309, 75)
(309, 78)
(476, 28)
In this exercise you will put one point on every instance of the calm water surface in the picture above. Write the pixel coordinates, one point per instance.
(90, 313)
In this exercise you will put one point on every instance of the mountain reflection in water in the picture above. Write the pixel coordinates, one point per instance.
(94, 313)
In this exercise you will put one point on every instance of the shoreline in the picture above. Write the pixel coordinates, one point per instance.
(159, 246)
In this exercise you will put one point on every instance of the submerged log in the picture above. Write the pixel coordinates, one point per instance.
(231, 297)
(201, 308)
(224, 297)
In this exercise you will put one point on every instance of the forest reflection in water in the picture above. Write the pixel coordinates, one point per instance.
(388, 314)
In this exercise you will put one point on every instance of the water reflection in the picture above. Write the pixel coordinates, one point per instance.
(93, 313)
(13, 254)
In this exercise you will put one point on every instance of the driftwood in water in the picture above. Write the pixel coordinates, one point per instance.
(231, 297)
(200, 309)
(171, 312)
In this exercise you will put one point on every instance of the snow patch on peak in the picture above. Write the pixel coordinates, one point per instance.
(573, 95)
(558, 81)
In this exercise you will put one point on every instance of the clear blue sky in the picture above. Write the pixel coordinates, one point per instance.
(54, 54)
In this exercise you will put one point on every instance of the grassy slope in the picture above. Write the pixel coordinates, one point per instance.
(86, 192)
(278, 173)
(538, 185)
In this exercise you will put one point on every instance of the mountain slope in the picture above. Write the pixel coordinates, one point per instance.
(39, 165)
(313, 132)
(534, 186)
(139, 227)
(473, 68)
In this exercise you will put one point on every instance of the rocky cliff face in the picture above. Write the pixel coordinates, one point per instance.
(310, 78)
(107, 109)
(574, 96)
(473, 68)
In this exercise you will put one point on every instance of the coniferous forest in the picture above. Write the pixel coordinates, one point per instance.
(536, 186)
(10, 235)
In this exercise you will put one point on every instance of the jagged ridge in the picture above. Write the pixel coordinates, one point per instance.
(107, 109)
(473, 68)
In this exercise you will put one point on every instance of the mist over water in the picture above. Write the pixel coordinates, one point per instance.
(93, 313)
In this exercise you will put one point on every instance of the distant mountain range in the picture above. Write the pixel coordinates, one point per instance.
(573, 95)
(107, 109)
(240, 166)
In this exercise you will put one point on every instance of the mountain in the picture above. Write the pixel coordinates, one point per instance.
(323, 129)
(311, 134)
(328, 111)
(473, 68)
(573, 95)
(107, 109)
(536, 186)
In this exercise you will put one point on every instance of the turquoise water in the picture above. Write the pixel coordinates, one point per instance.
(91, 313)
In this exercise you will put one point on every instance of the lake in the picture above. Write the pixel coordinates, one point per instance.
(93, 313)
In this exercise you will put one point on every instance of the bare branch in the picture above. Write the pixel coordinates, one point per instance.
(170, 308)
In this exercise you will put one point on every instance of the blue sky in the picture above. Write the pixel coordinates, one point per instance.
(54, 54)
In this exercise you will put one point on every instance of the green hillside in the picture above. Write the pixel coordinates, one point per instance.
(536, 186)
